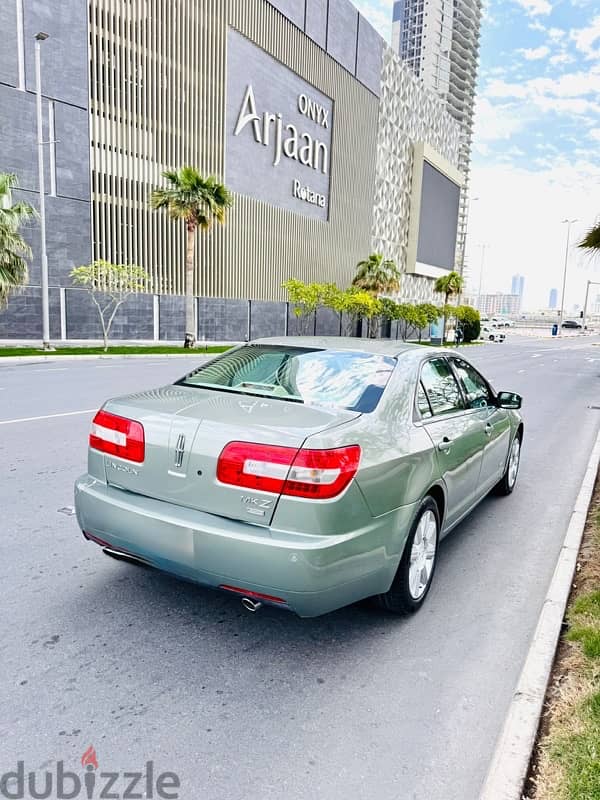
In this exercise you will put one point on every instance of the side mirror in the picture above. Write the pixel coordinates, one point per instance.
(509, 400)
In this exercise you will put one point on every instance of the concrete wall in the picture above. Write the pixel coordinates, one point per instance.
(64, 58)
(219, 319)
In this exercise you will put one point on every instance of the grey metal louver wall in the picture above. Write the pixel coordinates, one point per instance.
(157, 101)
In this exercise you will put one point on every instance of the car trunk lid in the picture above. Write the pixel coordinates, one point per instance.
(186, 429)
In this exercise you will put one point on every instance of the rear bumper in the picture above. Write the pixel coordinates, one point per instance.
(314, 574)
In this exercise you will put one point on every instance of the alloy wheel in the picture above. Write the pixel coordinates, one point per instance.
(422, 555)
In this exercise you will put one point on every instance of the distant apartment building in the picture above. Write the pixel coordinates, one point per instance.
(491, 304)
(553, 301)
(439, 41)
(517, 285)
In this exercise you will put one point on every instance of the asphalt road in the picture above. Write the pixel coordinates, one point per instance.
(352, 705)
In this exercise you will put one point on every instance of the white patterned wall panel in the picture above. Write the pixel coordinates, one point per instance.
(407, 113)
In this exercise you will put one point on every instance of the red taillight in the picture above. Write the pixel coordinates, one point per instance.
(319, 474)
(118, 436)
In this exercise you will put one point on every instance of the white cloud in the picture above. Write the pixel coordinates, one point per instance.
(573, 93)
(566, 105)
(536, 25)
(534, 53)
(561, 58)
(594, 134)
(556, 34)
(535, 7)
(494, 122)
(586, 38)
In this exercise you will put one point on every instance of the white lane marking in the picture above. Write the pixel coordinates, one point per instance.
(520, 370)
(536, 355)
(47, 416)
(57, 369)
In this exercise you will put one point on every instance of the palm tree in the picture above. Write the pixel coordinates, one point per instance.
(448, 285)
(198, 201)
(14, 250)
(591, 240)
(377, 275)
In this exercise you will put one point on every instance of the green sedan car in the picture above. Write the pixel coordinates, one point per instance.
(306, 473)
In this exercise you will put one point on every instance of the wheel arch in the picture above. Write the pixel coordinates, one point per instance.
(439, 496)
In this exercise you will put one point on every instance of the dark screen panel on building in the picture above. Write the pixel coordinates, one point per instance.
(438, 219)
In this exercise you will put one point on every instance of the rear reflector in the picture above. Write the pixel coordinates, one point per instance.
(255, 595)
(118, 436)
(318, 474)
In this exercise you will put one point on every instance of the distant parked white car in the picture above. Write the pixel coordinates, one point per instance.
(491, 334)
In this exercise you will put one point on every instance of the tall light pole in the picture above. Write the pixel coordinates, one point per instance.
(39, 38)
(483, 249)
(585, 305)
(568, 222)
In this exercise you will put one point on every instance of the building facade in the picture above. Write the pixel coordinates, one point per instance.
(439, 41)
(517, 285)
(331, 147)
(497, 303)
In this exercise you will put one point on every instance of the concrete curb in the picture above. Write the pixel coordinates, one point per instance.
(510, 764)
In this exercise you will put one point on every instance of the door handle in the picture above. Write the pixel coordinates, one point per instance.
(445, 445)
(488, 429)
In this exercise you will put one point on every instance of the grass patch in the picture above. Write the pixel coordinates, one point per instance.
(589, 639)
(8, 352)
(567, 760)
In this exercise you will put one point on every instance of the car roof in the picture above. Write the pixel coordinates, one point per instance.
(385, 347)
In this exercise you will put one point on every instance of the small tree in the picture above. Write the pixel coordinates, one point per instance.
(389, 309)
(469, 319)
(449, 285)
(109, 286)
(362, 305)
(306, 298)
(411, 318)
(14, 250)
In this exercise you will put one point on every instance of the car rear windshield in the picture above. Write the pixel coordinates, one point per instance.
(347, 379)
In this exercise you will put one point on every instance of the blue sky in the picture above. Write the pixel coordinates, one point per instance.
(537, 141)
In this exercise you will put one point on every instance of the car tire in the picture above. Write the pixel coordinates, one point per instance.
(409, 590)
(507, 483)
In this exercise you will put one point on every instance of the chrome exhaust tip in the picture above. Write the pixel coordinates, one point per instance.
(251, 605)
(119, 555)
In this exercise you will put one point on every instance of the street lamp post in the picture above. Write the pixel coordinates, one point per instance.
(569, 222)
(39, 38)
(585, 305)
(483, 249)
